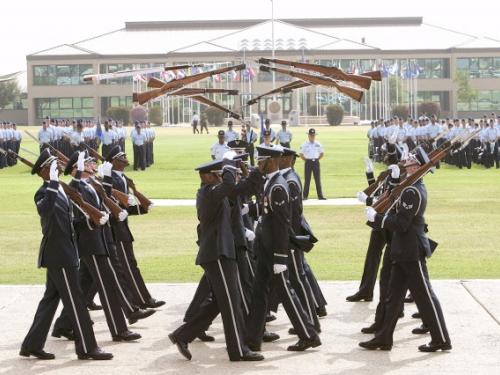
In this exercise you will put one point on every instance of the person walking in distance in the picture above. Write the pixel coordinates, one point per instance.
(312, 152)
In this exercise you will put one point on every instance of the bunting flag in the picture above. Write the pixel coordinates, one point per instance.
(179, 74)
(98, 130)
(139, 77)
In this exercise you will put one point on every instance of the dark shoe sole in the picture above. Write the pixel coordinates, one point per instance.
(381, 347)
(126, 339)
(433, 349)
(95, 358)
(27, 354)
(173, 339)
(360, 299)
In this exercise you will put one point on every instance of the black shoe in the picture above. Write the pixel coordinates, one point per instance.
(322, 199)
(270, 318)
(321, 311)
(270, 336)
(302, 345)
(253, 347)
(416, 315)
(205, 338)
(371, 329)
(40, 354)
(182, 346)
(432, 347)
(140, 314)
(401, 314)
(373, 344)
(97, 354)
(92, 306)
(422, 330)
(292, 331)
(64, 333)
(358, 297)
(304, 198)
(154, 304)
(127, 336)
(249, 356)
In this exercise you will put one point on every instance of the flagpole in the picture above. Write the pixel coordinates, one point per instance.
(272, 41)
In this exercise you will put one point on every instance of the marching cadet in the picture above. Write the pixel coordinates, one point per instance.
(230, 134)
(300, 227)
(59, 254)
(94, 253)
(44, 136)
(312, 152)
(409, 249)
(217, 257)
(272, 248)
(123, 236)
(138, 141)
(220, 147)
(284, 136)
(251, 138)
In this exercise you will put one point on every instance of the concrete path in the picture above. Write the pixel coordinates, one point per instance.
(472, 311)
(309, 202)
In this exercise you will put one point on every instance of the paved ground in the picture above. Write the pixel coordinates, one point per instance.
(472, 310)
(309, 202)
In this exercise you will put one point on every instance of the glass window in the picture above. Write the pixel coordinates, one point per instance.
(64, 108)
(60, 75)
(463, 64)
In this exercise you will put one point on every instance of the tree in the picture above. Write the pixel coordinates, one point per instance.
(9, 91)
(215, 116)
(334, 114)
(402, 111)
(156, 115)
(119, 114)
(465, 93)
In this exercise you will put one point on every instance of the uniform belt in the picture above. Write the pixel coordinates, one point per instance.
(312, 159)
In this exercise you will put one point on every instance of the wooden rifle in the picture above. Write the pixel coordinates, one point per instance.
(280, 90)
(179, 83)
(329, 71)
(351, 92)
(92, 213)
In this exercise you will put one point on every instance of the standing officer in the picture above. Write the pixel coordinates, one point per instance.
(312, 152)
(267, 128)
(59, 254)
(44, 136)
(217, 257)
(409, 248)
(230, 134)
(273, 247)
(138, 140)
(284, 136)
(220, 147)
(108, 136)
(251, 138)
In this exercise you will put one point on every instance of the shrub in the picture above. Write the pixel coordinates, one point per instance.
(156, 115)
(314, 110)
(402, 111)
(215, 116)
(119, 114)
(334, 114)
(429, 108)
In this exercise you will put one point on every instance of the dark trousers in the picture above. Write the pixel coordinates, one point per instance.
(285, 144)
(87, 283)
(383, 283)
(101, 272)
(319, 298)
(300, 284)
(125, 251)
(106, 149)
(312, 166)
(251, 151)
(139, 157)
(62, 284)
(222, 277)
(411, 275)
(246, 275)
(372, 262)
(264, 280)
(204, 126)
(195, 127)
(203, 295)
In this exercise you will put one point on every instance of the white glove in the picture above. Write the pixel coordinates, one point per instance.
(370, 214)
(393, 138)
(279, 268)
(99, 172)
(249, 234)
(104, 219)
(369, 165)
(131, 200)
(362, 196)
(106, 168)
(229, 155)
(406, 151)
(394, 170)
(150, 207)
(122, 215)
(244, 209)
(54, 172)
(80, 163)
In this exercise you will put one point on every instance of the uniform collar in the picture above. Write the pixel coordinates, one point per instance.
(272, 174)
(285, 171)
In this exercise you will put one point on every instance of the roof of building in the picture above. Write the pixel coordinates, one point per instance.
(234, 36)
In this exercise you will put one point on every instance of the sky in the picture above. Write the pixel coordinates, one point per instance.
(31, 26)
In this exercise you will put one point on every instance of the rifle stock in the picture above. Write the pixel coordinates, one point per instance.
(112, 206)
(143, 201)
(211, 103)
(375, 75)
(94, 214)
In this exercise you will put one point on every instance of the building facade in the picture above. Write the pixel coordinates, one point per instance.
(419, 64)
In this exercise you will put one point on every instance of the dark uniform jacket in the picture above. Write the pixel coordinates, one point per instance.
(58, 248)
(121, 231)
(409, 240)
(90, 238)
(275, 220)
(215, 236)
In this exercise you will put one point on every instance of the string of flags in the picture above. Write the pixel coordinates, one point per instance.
(245, 75)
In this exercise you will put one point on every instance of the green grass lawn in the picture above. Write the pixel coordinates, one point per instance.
(463, 213)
